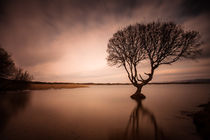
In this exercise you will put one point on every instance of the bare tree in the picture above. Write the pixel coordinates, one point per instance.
(159, 42)
(22, 75)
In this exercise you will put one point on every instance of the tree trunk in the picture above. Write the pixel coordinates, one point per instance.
(138, 95)
(138, 91)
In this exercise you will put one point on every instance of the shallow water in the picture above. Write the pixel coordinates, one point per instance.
(101, 113)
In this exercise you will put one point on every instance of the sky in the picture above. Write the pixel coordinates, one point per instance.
(66, 40)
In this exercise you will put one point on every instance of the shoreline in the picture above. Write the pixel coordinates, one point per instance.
(7, 84)
(37, 86)
(10, 85)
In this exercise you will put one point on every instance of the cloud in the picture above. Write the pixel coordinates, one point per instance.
(66, 39)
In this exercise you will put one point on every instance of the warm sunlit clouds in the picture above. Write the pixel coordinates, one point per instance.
(66, 40)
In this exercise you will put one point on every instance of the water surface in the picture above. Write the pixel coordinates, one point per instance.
(101, 113)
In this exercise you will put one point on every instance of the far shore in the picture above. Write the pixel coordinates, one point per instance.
(42, 86)
(6, 84)
(60, 85)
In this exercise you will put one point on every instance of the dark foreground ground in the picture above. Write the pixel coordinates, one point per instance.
(201, 120)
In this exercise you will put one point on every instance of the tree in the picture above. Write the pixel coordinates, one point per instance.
(8, 70)
(158, 42)
(22, 75)
(7, 66)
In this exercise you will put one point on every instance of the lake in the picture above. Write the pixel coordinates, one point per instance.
(102, 112)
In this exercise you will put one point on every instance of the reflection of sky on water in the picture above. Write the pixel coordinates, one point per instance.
(101, 112)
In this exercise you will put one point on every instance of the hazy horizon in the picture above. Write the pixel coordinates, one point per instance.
(66, 40)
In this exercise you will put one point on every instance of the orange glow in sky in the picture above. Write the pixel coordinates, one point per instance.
(67, 41)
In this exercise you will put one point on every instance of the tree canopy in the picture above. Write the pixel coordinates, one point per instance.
(159, 42)
(7, 66)
(8, 70)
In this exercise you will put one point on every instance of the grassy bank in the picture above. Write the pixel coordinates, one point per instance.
(41, 86)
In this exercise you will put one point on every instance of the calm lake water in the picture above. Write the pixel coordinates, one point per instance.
(101, 113)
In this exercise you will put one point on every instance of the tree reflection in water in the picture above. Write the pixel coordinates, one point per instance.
(135, 129)
(10, 104)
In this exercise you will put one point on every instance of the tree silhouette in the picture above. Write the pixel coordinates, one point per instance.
(22, 75)
(7, 66)
(158, 42)
(8, 70)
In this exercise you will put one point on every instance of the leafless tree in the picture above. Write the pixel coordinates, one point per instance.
(158, 42)
(22, 75)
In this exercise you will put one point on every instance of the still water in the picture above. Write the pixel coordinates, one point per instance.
(101, 113)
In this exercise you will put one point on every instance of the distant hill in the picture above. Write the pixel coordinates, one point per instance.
(192, 81)
(198, 81)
